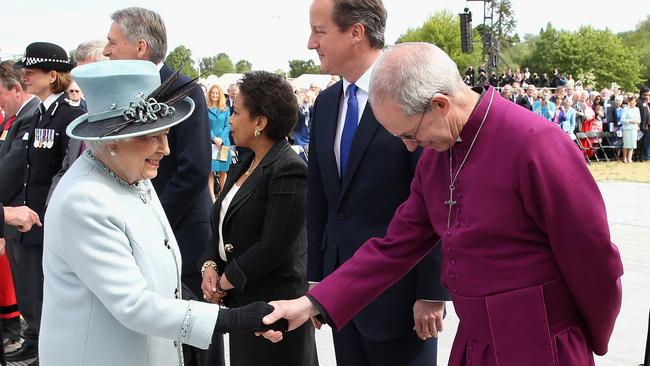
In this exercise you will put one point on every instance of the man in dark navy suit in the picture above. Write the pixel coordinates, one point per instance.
(358, 175)
(182, 181)
(528, 100)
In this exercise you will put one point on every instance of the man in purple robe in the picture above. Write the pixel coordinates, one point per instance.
(527, 255)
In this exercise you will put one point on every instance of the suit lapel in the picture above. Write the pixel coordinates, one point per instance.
(251, 183)
(366, 130)
(330, 118)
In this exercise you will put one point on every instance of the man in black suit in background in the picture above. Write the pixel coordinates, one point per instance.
(19, 106)
(358, 175)
(528, 100)
(182, 181)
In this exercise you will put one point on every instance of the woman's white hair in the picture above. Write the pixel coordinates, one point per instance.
(99, 146)
(410, 74)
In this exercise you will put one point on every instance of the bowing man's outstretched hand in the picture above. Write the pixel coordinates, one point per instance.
(296, 311)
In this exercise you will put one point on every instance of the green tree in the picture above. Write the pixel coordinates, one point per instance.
(299, 67)
(243, 66)
(223, 65)
(588, 50)
(640, 39)
(216, 65)
(443, 30)
(505, 23)
(181, 55)
(206, 64)
(281, 73)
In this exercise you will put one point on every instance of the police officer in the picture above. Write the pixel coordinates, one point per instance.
(46, 75)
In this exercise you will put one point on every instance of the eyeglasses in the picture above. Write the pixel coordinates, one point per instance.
(412, 137)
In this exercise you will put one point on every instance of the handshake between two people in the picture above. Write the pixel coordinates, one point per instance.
(268, 320)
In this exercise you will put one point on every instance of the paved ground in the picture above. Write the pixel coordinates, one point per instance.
(628, 208)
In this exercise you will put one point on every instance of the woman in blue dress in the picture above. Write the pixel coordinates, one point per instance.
(218, 113)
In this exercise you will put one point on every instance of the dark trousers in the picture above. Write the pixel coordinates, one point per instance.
(353, 349)
(644, 147)
(3, 361)
(28, 281)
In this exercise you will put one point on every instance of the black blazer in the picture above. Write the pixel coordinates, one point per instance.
(522, 100)
(343, 214)
(45, 163)
(182, 181)
(265, 229)
(644, 111)
(13, 159)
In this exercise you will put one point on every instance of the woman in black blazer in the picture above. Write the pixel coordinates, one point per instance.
(260, 246)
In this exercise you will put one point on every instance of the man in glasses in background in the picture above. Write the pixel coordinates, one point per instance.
(76, 96)
(358, 176)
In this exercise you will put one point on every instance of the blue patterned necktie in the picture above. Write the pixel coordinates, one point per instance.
(350, 127)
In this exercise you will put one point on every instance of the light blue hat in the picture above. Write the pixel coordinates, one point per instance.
(125, 99)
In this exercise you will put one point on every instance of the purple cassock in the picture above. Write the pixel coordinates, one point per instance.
(534, 276)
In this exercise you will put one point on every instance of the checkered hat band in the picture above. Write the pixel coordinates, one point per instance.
(36, 60)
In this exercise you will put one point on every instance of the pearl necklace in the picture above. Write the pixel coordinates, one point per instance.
(452, 177)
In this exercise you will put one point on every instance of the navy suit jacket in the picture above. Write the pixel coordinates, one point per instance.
(343, 213)
(182, 181)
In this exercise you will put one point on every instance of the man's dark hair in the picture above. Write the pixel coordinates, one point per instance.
(370, 13)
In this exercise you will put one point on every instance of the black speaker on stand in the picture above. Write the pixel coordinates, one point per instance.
(466, 44)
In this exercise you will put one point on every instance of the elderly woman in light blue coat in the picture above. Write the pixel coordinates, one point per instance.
(112, 290)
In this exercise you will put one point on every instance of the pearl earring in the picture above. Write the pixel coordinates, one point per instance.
(113, 152)
(257, 133)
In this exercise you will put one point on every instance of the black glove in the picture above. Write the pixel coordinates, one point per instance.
(248, 318)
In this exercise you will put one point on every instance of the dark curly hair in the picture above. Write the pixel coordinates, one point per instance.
(270, 95)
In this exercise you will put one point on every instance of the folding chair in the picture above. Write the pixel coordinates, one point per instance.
(597, 143)
(613, 142)
(580, 137)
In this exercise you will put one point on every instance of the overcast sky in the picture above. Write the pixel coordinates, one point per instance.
(269, 33)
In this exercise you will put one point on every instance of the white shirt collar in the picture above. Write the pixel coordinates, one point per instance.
(51, 99)
(364, 81)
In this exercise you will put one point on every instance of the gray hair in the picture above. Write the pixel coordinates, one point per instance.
(143, 24)
(97, 146)
(370, 13)
(90, 51)
(411, 74)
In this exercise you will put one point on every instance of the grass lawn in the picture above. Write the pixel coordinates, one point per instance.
(632, 172)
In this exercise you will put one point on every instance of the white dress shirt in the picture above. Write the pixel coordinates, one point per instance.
(363, 85)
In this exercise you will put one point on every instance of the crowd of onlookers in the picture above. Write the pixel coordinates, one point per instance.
(624, 117)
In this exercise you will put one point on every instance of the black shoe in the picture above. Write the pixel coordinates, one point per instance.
(23, 353)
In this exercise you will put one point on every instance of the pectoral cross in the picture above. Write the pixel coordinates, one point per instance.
(450, 203)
